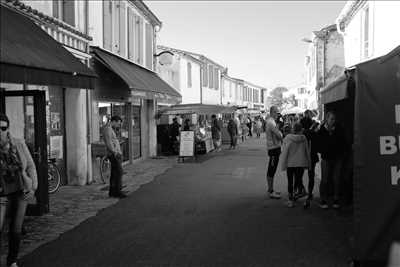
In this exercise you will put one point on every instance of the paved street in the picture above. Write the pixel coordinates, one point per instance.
(211, 213)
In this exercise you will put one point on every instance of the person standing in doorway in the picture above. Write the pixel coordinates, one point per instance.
(274, 140)
(332, 146)
(174, 132)
(115, 155)
(18, 183)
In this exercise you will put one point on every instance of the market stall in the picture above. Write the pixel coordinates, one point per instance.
(199, 116)
(367, 101)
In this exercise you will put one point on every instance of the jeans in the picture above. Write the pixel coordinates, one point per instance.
(16, 206)
(116, 175)
(293, 174)
(331, 179)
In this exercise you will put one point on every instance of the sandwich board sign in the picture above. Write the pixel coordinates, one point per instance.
(186, 148)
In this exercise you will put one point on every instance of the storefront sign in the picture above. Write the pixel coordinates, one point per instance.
(56, 147)
(186, 148)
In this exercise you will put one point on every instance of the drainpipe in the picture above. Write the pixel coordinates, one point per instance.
(201, 85)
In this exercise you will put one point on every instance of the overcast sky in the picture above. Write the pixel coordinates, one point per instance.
(259, 41)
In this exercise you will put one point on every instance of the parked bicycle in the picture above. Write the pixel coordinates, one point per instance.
(105, 169)
(53, 176)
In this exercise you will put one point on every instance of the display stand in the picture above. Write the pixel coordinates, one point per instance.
(186, 146)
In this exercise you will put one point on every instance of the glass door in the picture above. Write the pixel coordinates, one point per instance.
(26, 111)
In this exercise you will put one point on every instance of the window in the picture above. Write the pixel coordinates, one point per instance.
(230, 89)
(135, 37)
(139, 39)
(205, 75)
(365, 33)
(131, 34)
(68, 12)
(189, 75)
(82, 15)
(216, 79)
(149, 46)
(107, 24)
(210, 76)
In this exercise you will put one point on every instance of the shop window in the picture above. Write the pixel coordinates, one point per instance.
(136, 132)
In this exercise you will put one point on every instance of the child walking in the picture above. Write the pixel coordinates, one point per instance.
(295, 158)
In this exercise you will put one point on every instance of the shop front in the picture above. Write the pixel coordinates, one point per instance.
(36, 74)
(131, 92)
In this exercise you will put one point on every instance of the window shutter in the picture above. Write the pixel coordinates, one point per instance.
(69, 12)
(216, 79)
(122, 29)
(131, 33)
(189, 74)
(140, 40)
(149, 46)
(210, 76)
(205, 75)
(107, 24)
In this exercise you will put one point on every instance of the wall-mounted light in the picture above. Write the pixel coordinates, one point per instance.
(165, 58)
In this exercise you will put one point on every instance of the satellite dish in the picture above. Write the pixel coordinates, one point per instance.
(165, 58)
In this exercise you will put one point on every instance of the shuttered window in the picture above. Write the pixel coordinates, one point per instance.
(149, 46)
(139, 39)
(216, 79)
(189, 75)
(205, 75)
(107, 24)
(210, 76)
(131, 34)
(122, 29)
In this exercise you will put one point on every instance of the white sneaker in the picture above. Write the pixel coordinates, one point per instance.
(274, 195)
(14, 264)
(290, 204)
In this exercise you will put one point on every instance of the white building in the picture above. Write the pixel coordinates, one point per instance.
(324, 63)
(370, 29)
(253, 96)
(231, 91)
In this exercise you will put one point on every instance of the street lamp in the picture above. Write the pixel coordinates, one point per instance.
(165, 58)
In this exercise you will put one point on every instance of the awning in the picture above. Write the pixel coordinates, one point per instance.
(335, 91)
(197, 109)
(29, 55)
(142, 82)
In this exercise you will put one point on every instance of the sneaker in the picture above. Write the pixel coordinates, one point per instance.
(275, 195)
(336, 205)
(290, 204)
(14, 264)
(323, 205)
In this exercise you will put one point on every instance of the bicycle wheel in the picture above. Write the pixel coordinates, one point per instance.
(53, 177)
(105, 169)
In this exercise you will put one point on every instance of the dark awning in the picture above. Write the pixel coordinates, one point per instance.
(29, 55)
(197, 109)
(335, 91)
(142, 82)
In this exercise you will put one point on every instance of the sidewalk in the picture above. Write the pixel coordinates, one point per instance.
(72, 205)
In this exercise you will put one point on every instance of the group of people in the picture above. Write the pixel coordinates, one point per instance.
(295, 147)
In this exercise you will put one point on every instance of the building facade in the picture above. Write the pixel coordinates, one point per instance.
(231, 91)
(324, 63)
(123, 49)
(369, 29)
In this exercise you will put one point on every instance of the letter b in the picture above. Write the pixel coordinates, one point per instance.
(388, 145)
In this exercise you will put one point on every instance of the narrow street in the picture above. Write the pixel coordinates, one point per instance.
(214, 212)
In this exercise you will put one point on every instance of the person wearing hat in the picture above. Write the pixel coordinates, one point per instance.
(18, 183)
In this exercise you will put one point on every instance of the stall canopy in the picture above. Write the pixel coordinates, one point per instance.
(293, 110)
(377, 156)
(197, 109)
(142, 82)
(29, 55)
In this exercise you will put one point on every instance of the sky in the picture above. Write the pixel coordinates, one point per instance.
(258, 41)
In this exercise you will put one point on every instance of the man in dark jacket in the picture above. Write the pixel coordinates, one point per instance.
(174, 132)
(332, 146)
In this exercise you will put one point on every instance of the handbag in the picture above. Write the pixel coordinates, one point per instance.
(11, 180)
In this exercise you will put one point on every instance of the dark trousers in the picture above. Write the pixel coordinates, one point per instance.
(331, 179)
(233, 140)
(249, 126)
(16, 206)
(116, 175)
(272, 166)
(311, 179)
(293, 174)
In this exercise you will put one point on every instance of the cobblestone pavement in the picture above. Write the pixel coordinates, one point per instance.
(72, 205)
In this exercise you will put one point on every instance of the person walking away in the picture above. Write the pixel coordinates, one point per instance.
(332, 148)
(249, 124)
(274, 139)
(232, 130)
(295, 158)
(173, 136)
(18, 183)
(115, 155)
(216, 132)
(310, 126)
(258, 125)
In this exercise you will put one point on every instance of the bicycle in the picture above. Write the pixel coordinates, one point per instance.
(53, 176)
(105, 169)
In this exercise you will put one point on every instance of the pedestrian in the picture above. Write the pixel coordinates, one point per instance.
(249, 124)
(295, 158)
(174, 131)
(232, 130)
(216, 132)
(18, 183)
(186, 125)
(310, 126)
(115, 155)
(332, 146)
(274, 140)
(258, 126)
